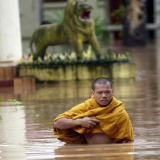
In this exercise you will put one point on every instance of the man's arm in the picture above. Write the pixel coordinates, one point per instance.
(86, 122)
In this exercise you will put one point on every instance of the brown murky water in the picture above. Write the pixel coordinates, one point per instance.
(26, 128)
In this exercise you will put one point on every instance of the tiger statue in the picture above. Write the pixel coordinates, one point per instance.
(76, 28)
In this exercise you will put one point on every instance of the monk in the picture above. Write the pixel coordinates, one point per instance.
(102, 119)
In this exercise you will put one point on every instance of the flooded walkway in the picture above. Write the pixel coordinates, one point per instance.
(26, 127)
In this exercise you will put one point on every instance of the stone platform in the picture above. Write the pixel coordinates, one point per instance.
(9, 78)
(64, 72)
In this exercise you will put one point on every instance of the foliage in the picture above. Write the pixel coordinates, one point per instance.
(118, 57)
(99, 28)
(1, 99)
(57, 18)
(119, 13)
(70, 58)
(13, 100)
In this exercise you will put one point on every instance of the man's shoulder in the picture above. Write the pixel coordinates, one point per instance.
(85, 104)
(117, 100)
(117, 103)
(91, 103)
(123, 115)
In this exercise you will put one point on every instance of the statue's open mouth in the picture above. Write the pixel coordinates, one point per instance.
(85, 15)
(84, 10)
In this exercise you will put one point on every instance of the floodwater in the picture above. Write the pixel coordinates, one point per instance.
(26, 126)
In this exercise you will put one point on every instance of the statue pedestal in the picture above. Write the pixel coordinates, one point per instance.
(117, 70)
(12, 85)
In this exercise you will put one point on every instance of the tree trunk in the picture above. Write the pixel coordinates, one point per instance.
(134, 23)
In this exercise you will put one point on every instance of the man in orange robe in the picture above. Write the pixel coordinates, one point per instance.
(102, 119)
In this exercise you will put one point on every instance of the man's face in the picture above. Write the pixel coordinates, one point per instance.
(103, 94)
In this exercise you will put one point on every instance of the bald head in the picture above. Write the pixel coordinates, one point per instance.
(101, 80)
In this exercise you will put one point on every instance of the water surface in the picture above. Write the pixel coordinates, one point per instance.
(26, 127)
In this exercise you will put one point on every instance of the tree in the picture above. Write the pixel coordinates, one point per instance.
(134, 22)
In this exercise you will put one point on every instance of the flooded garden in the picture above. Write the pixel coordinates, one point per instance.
(26, 119)
(27, 110)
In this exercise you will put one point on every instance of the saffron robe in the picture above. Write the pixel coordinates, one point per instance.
(114, 122)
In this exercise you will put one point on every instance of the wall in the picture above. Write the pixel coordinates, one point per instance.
(30, 18)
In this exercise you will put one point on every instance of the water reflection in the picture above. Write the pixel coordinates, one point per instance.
(26, 129)
(158, 62)
(12, 132)
(99, 152)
